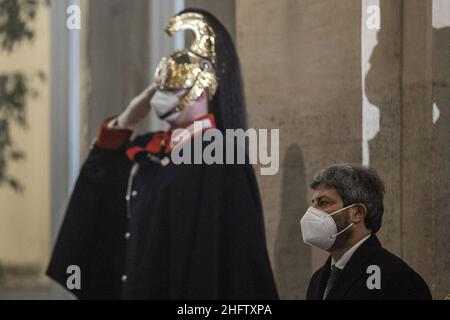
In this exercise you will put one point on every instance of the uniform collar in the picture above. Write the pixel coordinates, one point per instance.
(162, 143)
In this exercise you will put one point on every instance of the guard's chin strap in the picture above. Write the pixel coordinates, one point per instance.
(182, 104)
(179, 107)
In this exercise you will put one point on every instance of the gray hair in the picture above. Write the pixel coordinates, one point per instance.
(355, 184)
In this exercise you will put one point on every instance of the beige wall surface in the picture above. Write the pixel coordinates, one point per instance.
(25, 218)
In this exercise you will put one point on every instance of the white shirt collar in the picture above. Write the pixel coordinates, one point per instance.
(348, 254)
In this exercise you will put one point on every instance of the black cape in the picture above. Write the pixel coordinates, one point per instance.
(195, 232)
(398, 280)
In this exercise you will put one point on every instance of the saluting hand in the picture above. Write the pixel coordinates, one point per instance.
(137, 109)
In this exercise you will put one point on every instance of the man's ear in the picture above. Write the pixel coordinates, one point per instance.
(359, 213)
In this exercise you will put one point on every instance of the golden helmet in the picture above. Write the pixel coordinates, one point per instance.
(192, 68)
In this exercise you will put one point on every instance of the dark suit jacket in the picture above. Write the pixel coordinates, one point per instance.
(398, 280)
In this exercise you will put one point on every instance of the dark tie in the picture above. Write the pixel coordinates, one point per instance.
(335, 272)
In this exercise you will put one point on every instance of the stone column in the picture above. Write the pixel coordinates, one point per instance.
(117, 58)
(441, 146)
(416, 139)
(400, 84)
(302, 71)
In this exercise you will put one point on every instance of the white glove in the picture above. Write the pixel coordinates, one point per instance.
(137, 109)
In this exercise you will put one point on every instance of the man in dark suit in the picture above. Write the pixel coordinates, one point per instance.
(346, 213)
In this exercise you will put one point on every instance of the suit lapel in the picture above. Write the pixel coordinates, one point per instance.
(354, 268)
(322, 280)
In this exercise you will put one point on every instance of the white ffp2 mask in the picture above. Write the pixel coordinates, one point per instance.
(319, 228)
(163, 102)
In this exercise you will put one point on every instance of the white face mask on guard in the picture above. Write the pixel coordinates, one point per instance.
(319, 228)
(163, 102)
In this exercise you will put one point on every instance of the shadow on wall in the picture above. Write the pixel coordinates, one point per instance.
(292, 264)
